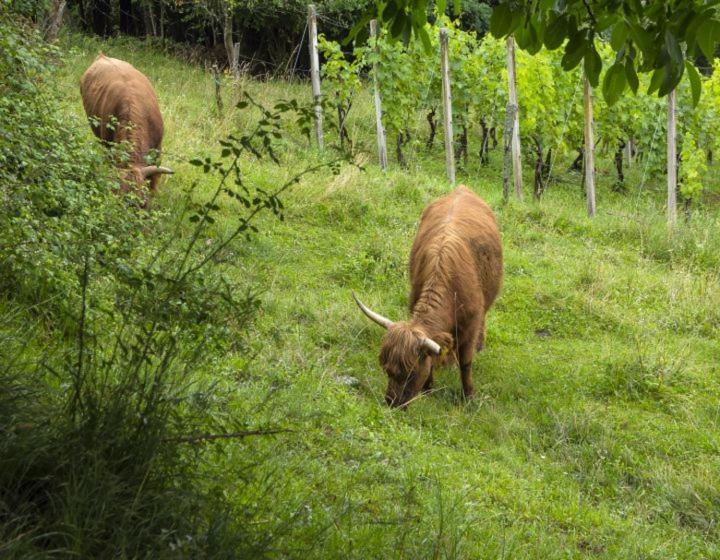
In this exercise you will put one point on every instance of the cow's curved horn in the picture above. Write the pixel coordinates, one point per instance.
(150, 170)
(431, 346)
(379, 319)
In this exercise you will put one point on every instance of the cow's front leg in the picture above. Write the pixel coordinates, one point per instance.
(466, 353)
(428, 384)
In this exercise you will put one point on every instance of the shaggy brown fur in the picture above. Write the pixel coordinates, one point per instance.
(456, 274)
(114, 88)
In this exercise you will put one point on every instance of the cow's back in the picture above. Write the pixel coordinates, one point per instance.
(114, 88)
(458, 245)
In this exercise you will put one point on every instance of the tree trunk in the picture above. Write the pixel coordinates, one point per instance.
(228, 38)
(462, 146)
(83, 15)
(153, 25)
(148, 18)
(547, 164)
(402, 139)
(538, 186)
(620, 184)
(115, 17)
(484, 159)
(433, 128)
(576, 165)
(56, 13)
(342, 129)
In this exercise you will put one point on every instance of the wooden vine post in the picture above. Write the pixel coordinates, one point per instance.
(381, 140)
(447, 105)
(315, 72)
(217, 80)
(513, 109)
(671, 162)
(589, 155)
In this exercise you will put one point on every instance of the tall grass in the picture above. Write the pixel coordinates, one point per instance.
(595, 429)
(105, 421)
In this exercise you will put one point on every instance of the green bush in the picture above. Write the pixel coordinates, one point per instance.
(103, 419)
(57, 202)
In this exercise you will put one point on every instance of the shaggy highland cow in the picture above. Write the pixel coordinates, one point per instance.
(122, 107)
(455, 273)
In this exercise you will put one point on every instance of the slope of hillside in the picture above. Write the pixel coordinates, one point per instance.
(596, 427)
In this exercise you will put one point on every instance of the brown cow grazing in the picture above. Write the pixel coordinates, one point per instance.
(456, 273)
(122, 106)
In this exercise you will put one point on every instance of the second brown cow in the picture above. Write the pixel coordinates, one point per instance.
(123, 108)
(456, 274)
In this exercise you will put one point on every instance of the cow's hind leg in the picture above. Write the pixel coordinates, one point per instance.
(480, 344)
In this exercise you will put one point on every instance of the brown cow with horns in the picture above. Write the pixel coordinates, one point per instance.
(123, 107)
(456, 273)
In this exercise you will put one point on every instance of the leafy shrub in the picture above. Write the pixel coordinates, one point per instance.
(57, 204)
(101, 421)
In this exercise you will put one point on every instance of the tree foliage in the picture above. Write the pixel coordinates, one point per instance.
(654, 37)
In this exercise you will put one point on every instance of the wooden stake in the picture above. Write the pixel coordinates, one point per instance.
(447, 106)
(381, 140)
(236, 59)
(589, 155)
(513, 104)
(218, 82)
(671, 162)
(315, 73)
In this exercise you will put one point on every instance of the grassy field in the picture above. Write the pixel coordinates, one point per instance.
(596, 427)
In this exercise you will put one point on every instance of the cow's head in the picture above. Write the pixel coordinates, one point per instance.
(406, 356)
(134, 178)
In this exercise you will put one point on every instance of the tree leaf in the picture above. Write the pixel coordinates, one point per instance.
(694, 79)
(631, 75)
(574, 50)
(656, 79)
(555, 32)
(527, 38)
(695, 83)
(421, 32)
(619, 35)
(706, 35)
(398, 25)
(673, 48)
(593, 65)
(642, 39)
(500, 21)
(359, 26)
(614, 83)
(672, 78)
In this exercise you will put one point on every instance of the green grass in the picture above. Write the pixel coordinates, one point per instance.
(596, 428)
